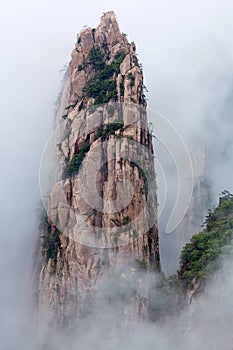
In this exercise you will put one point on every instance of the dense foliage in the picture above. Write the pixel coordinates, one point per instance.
(203, 254)
(102, 87)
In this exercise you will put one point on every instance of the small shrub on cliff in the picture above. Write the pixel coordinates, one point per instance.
(51, 243)
(126, 220)
(76, 161)
(104, 131)
(131, 78)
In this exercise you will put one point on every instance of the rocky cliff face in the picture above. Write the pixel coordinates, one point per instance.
(101, 216)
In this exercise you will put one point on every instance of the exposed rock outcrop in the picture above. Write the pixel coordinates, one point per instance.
(102, 210)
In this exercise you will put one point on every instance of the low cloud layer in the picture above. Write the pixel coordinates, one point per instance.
(205, 324)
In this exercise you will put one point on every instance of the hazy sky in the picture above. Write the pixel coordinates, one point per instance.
(187, 53)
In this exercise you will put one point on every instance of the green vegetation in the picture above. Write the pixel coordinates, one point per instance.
(102, 87)
(51, 241)
(76, 161)
(101, 90)
(131, 78)
(126, 220)
(104, 131)
(96, 59)
(203, 254)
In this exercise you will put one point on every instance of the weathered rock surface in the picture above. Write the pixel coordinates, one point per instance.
(101, 220)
